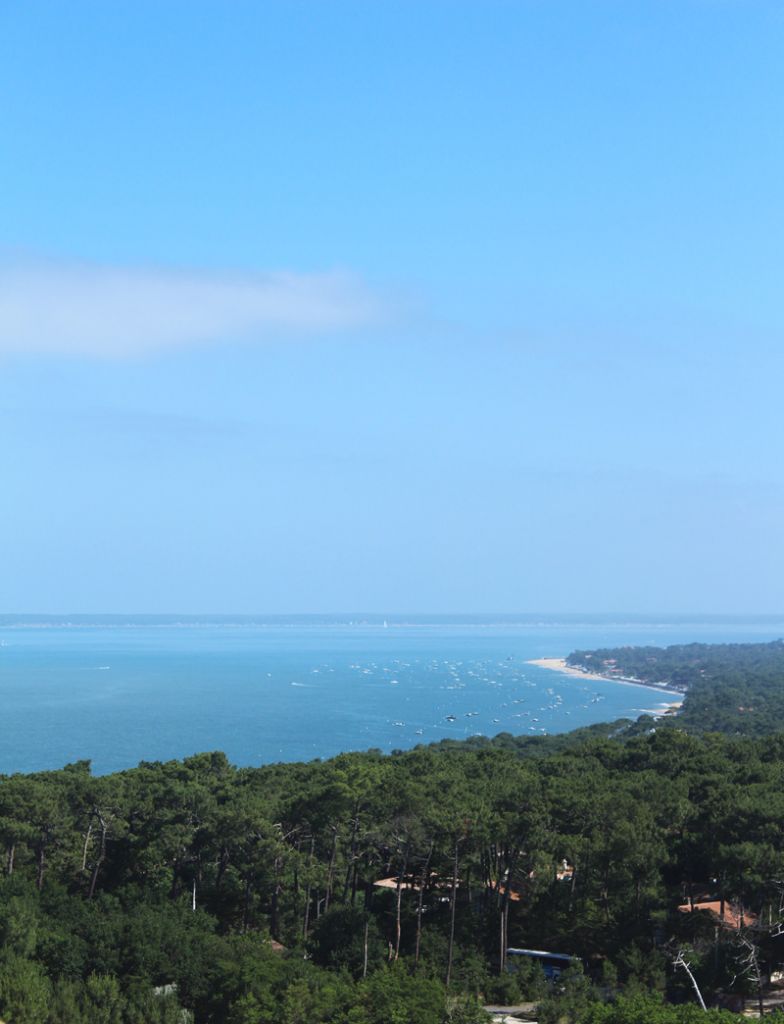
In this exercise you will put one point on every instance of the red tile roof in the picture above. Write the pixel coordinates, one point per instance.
(732, 914)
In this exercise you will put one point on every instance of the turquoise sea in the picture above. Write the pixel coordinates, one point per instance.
(119, 690)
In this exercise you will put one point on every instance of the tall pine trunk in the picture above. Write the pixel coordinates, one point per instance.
(306, 920)
(399, 895)
(99, 861)
(452, 920)
(331, 869)
(422, 884)
(39, 878)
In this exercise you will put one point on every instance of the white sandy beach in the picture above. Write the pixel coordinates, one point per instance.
(560, 665)
(666, 709)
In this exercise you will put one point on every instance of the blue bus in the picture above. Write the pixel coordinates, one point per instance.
(551, 963)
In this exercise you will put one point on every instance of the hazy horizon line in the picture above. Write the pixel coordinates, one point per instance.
(392, 615)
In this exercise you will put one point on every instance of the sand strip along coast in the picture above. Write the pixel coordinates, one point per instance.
(560, 665)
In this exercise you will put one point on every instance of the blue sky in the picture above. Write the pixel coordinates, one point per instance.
(428, 306)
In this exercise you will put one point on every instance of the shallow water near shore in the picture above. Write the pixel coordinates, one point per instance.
(119, 690)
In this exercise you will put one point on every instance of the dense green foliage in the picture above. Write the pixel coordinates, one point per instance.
(732, 688)
(153, 896)
(101, 874)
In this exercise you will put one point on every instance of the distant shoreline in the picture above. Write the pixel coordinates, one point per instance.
(560, 665)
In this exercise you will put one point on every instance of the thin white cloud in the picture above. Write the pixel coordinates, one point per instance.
(87, 310)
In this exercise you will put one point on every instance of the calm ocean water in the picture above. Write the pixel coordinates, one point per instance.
(117, 691)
